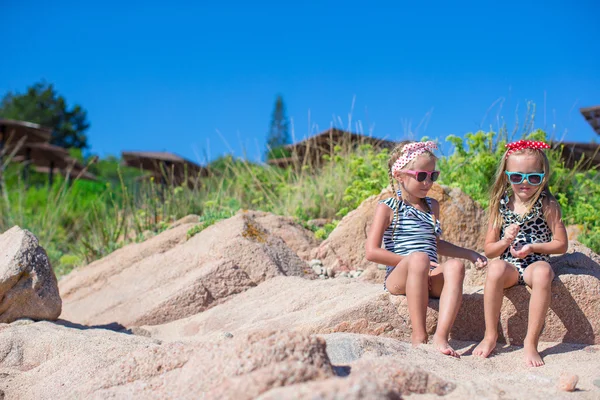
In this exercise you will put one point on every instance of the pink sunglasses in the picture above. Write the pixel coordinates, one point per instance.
(422, 175)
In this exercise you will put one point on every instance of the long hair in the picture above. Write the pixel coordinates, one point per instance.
(502, 184)
(395, 154)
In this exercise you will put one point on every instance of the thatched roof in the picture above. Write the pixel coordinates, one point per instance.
(48, 158)
(11, 131)
(572, 153)
(313, 148)
(164, 165)
(592, 115)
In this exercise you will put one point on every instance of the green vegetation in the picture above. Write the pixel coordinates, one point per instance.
(82, 221)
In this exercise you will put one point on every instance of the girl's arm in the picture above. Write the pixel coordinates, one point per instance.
(451, 250)
(494, 246)
(374, 251)
(559, 243)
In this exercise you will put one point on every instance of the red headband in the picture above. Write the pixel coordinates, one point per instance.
(525, 144)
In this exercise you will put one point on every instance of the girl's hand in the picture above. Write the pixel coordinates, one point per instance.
(478, 260)
(434, 264)
(511, 233)
(519, 251)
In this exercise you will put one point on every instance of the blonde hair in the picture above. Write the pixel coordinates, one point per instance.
(395, 154)
(502, 184)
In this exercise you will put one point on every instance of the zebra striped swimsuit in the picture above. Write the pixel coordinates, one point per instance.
(414, 231)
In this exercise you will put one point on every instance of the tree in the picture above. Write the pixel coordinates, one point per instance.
(42, 105)
(278, 135)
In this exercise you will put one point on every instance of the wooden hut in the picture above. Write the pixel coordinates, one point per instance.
(165, 167)
(28, 143)
(311, 150)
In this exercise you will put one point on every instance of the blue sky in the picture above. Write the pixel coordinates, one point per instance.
(200, 78)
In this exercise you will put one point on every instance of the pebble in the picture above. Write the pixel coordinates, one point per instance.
(568, 382)
(343, 274)
(228, 335)
(318, 269)
(315, 262)
(329, 272)
(597, 382)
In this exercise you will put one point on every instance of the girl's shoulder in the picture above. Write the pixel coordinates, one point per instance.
(549, 203)
(391, 202)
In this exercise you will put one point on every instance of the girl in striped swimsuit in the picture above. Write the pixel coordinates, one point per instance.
(409, 227)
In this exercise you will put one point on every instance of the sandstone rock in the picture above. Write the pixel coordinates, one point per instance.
(188, 219)
(28, 286)
(185, 278)
(292, 303)
(574, 315)
(300, 240)
(46, 361)
(463, 222)
(373, 379)
(568, 382)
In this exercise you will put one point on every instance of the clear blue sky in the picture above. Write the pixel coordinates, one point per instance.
(165, 76)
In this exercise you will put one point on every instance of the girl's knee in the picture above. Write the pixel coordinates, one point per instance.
(418, 257)
(542, 274)
(456, 267)
(418, 262)
(496, 270)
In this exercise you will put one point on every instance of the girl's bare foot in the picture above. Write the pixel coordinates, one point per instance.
(443, 346)
(486, 346)
(532, 357)
(418, 339)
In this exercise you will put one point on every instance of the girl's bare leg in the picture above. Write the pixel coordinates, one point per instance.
(410, 277)
(447, 284)
(538, 276)
(500, 275)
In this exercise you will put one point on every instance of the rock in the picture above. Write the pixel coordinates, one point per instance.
(188, 219)
(185, 278)
(315, 262)
(301, 240)
(46, 361)
(345, 348)
(574, 315)
(597, 383)
(573, 231)
(369, 379)
(568, 382)
(296, 304)
(28, 285)
(463, 222)
(329, 272)
(317, 269)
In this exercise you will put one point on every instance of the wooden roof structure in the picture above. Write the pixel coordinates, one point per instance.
(12, 131)
(29, 143)
(165, 167)
(592, 116)
(572, 153)
(312, 149)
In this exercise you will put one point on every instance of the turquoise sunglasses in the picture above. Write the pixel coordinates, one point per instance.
(517, 178)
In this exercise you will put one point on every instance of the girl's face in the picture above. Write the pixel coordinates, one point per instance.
(409, 181)
(518, 166)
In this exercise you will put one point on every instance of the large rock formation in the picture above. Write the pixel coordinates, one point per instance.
(28, 287)
(170, 278)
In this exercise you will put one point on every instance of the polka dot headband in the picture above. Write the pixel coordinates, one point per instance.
(525, 144)
(412, 151)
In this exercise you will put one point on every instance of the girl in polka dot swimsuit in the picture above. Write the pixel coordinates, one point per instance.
(525, 227)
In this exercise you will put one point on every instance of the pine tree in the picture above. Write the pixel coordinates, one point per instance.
(278, 135)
